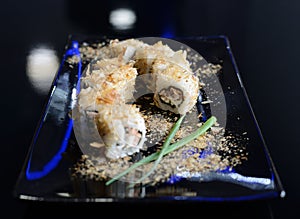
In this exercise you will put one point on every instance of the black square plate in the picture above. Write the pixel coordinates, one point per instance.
(46, 172)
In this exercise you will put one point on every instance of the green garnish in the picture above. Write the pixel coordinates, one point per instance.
(201, 130)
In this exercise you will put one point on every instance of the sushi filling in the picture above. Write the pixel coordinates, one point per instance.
(132, 136)
(171, 96)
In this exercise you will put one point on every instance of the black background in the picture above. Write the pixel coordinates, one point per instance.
(264, 37)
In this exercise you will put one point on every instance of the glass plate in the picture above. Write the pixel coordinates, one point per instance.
(48, 171)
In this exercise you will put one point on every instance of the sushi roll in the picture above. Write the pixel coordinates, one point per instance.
(111, 81)
(122, 129)
(176, 88)
(106, 88)
(144, 58)
(172, 81)
(126, 49)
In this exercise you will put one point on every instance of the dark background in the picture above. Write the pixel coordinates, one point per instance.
(264, 37)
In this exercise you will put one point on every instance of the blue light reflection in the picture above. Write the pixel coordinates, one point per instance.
(33, 175)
